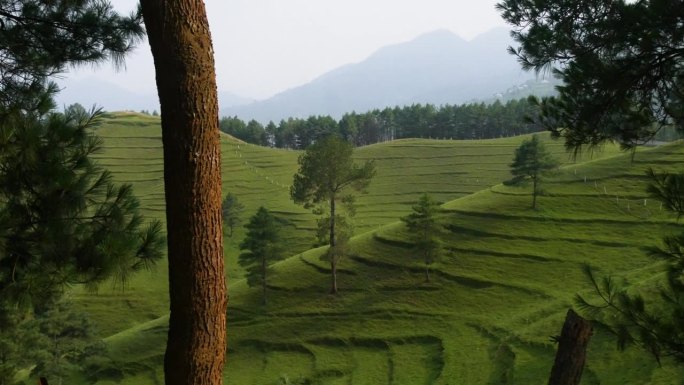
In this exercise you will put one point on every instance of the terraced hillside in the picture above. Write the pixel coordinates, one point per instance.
(497, 296)
(261, 176)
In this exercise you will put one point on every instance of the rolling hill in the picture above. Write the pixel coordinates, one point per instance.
(500, 291)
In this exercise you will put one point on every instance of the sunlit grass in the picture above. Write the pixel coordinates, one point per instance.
(502, 288)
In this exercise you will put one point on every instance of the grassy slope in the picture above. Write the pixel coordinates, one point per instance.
(500, 291)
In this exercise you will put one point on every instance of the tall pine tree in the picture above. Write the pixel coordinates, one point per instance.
(532, 162)
(179, 37)
(326, 174)
(621, 65)
(62, 220)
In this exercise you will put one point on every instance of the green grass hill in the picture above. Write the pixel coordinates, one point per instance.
(499, 293)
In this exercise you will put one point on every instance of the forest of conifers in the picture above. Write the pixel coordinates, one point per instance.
(467, 121)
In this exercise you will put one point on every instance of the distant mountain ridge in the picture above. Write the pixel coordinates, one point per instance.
(438, 67)
(111, 97)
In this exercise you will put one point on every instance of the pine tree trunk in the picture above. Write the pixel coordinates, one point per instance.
(572, 351)
(333, 257)
(179, 37)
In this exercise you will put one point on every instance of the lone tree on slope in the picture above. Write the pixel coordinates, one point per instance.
(231, 212)
(326, 172)
(262, 245)
(531, 163)
(423, 227)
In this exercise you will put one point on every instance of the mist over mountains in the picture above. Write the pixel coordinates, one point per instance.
(437, 67)
(111, 97)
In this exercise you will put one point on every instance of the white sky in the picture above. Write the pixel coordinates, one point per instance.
(263, 47)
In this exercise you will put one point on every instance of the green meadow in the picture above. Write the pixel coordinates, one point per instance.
(501, 290)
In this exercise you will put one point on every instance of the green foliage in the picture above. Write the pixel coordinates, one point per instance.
(532, 162)
(655, 325)
(252, 132)
(468, 121)
(326, 171)
(55, 342)
(620, 63)
(424, 230)
(669, 189)
(262, 243)
(41, 38)
(63, 220)
(231, 211)
(68, 343)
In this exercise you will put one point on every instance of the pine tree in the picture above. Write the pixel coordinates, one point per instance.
(621, 65)
(231, 212)
(40, 39)
(179, 37)
(326, 172)
(62, 220)
(424, 230)
(262, 248)
(531, 163)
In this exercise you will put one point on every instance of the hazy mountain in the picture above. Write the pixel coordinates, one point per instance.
(111, 97)
(438, 67)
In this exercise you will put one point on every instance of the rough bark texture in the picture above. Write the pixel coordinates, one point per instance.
(572, 351)
(178, 33)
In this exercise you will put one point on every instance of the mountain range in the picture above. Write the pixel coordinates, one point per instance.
(92, 91)
(438, 67)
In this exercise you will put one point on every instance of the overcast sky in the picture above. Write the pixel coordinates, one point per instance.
(263, 47)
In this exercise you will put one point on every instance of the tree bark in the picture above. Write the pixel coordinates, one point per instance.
(572, 351)
(178, 32)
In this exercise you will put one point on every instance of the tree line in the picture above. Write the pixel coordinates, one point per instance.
(466, 121)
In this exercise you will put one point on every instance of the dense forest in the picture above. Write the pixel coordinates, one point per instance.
(467, 121)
